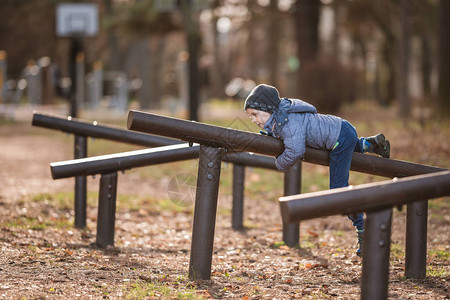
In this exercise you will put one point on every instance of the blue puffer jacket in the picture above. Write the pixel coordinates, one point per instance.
(298, 124)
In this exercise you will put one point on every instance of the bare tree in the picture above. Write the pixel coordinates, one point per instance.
(403, 96)
(444, 55)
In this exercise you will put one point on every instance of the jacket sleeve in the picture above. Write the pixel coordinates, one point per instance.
(294, 146)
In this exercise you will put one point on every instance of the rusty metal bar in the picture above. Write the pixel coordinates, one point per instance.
(365, 197)
(80, 151)
(205, 213)
(237, 209)
(376, 249)
(238, 140)
(106, 217)
(292, 186)
(416, 240)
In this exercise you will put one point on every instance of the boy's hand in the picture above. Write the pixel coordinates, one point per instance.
(265, 133)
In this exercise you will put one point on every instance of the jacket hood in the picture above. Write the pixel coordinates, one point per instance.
(298, 106)
(280, 116)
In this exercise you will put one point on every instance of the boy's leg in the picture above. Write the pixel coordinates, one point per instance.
(341, 156)
(340, 162)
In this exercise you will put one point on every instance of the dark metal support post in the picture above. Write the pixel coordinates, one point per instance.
(80, 184)
(205, 213)
(292, 186)
(376, 250)
(106, 217)
(75, 48)
(237, 211)
(416, 239)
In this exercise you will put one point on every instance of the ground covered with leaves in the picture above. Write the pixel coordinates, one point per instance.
(44, 256)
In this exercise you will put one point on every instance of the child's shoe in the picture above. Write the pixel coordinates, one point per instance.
(379, 145)
(360, 234)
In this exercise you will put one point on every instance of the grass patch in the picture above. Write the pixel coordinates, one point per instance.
(397, 250)
(439, 204)
(440, 254)
(436, 272)
(64, 200)
(36, 223)
(144, 289)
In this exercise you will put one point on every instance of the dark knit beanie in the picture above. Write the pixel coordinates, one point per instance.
(263, 97)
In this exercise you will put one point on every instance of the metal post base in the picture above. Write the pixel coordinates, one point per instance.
(376, 250)
(416, 240)
(237, 211)
(205, 213)
(106, 210)
(80, 151)
(292, 186)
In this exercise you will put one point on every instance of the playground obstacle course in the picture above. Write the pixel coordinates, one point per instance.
(170, 150)
(375, 263)
(216, 142)
(377, 200)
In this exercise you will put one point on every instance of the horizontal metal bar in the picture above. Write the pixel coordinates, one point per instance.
(139, 158)
(251, 160)
(206, 134)
(123, 161)
(365, 197)
(238, 140)
(75, 126)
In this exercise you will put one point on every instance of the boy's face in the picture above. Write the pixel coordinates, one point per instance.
(258, 117)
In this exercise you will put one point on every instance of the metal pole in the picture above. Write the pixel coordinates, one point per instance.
(377, 241)
(365, 197)
(292, 186)
(106, 217)
(205, 213)
(416, 239)
(79, 74)
(237, 211)
(75, 48)
(80, 184)
(75, 126)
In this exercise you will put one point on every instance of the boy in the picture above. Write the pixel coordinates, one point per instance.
(298, 124)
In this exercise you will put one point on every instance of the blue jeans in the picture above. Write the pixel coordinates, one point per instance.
(340, 162)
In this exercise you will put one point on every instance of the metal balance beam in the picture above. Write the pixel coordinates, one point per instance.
(377, 200)
(215, 137)
(108, 166)
(82, 130)
(111, 164)
(238, 140)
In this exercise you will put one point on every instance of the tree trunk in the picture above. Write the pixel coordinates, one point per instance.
(144, 72)
(193, 41)
(444, 55)
(114, 55)
(307, 21)
(426, 66)
(272, 50)
(306, 14)
(403, 96)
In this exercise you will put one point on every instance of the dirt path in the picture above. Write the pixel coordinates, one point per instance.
(42, 256)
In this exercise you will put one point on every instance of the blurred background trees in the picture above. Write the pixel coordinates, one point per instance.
(328, 52)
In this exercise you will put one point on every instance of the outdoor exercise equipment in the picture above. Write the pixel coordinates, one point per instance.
(215, 141)
(377, 200)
